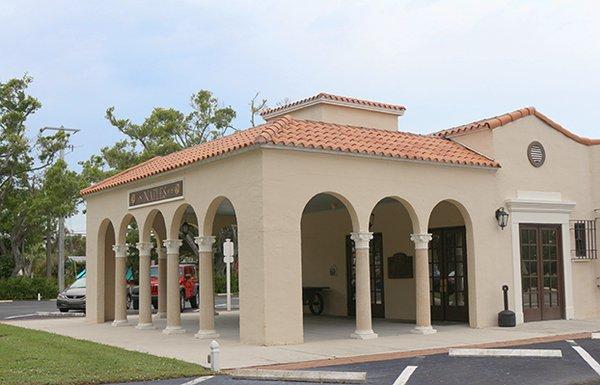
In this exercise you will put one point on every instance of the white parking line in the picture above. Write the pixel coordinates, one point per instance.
(405, 375)
(586, 356)
(197, 380)
(550, 353)
(21, 316)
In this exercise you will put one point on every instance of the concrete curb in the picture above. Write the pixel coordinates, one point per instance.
(537, 353)
(6, 300)
(421, 352)
(300, 376)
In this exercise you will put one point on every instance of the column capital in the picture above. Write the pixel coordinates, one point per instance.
(162, 252)
(205, 243)
(144, 247)
(361, 239)
(120, 250)
(172, 245)
(421, 240)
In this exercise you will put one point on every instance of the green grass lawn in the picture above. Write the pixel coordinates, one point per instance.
(35, 357)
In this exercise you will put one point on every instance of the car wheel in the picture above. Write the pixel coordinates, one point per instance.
(195, 300)
(181, 302)
(128, 302)
(63, 310)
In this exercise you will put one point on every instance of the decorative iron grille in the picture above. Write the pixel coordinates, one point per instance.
(583, 239)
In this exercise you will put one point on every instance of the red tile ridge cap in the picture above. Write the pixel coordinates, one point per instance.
(335, 98)
(501, 120)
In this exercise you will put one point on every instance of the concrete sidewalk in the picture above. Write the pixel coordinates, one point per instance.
(326, 338)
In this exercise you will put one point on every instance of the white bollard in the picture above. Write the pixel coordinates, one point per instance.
(213, 358)
(39, 297)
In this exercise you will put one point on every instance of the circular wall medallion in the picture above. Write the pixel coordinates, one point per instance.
(536, 154)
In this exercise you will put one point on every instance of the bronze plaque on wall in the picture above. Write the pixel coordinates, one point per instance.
(156, 194)
(400, 265)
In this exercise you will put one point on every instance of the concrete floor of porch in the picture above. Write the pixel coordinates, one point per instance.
(325, 338)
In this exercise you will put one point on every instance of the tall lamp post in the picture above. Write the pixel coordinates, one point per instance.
(61, 219)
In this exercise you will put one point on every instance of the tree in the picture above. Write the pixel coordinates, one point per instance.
(256, 107)
(164, 131)
(33, 187)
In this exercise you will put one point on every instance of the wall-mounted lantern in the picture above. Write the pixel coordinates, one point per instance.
(502, 217)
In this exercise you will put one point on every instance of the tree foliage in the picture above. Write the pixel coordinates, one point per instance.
(164, 131)
(34, 187)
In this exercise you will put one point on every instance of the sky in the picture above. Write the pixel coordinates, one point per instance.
(448, 62)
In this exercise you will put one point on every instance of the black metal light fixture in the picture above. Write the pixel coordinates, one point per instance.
(502, 217)
(185, 227)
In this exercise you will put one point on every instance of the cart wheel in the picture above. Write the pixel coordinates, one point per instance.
(316, 304)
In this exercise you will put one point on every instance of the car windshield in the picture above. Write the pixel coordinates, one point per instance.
(79, 284)
(154, 271)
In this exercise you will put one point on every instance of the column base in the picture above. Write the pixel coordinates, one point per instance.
(363, 335)
(174, 330)
(206, 334)
(423, 330)
(146, 326)
(160, 315)
(120, 322)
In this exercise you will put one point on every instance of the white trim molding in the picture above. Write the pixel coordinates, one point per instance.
(421, 240)
(361, 239)
(544, 208)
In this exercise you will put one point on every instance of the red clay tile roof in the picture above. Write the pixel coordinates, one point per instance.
(501, 120)
(335, 98)
(295, 133)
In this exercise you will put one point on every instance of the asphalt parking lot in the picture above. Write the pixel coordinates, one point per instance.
(571, 369)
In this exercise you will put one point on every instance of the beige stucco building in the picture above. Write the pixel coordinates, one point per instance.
(329, 194)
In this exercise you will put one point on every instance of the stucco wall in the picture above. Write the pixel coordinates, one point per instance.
(344, 115)
(567, 170)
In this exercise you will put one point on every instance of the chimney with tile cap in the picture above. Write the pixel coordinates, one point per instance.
(340, 110)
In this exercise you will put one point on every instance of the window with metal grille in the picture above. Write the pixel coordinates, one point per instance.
(583, 236)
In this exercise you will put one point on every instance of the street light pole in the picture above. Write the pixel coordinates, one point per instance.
(61, 219)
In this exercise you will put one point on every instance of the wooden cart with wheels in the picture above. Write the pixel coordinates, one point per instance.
(313, 298)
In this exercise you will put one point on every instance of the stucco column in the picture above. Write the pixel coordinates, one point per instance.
(145, 296)
(207, 299)
(364, 328)
(120, 286)
(423, 325)
(162, 283)
(173, 309)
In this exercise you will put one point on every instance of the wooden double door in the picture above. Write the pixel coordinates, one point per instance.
(449, 294)
(541, 271)
(376, 275)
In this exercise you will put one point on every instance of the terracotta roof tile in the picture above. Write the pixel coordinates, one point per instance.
(501, 120)
(335, 98)
(289, 132)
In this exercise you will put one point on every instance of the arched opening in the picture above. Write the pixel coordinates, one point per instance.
(221, 223)
(154, 231)
(185, 227)
(392, 254)
(106, 261)
(327, 265)
(450, 227)
(129, 236)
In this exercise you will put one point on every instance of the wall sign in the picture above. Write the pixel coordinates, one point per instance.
(400, 265)
(536, 154)
(156, 194)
